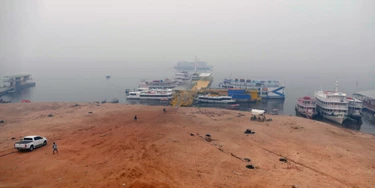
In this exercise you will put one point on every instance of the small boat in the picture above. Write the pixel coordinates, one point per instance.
(25, 101)
(4, 101)
(108, 76)
(150, 94)
(215, 99)
(354, 108)
(275, 111)
(11, 90)
(115, 100)
(306, 107)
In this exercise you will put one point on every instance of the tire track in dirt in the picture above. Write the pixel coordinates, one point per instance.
(298, 163)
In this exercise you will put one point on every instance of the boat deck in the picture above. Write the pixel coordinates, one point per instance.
(201, 84)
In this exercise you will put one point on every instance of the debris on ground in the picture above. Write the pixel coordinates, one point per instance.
(2, 121)
(208, 135)
(90, 112)
(296, 127)
(210, 113)
(248, 131)
(50, 115)
(192, 134)
(283, 160)
(208, 139)
(233, 155)
(250, 166)
(13, 138)
(240, 115)
(246, 159)
(238, 173)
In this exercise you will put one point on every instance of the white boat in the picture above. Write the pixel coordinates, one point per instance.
(195, 76)
(183, 77)
(332, 105)
(151, 94)
(215, 99)
(158, 84)
(185, 65)
(355, 107)
(267, 89)
(306, 107)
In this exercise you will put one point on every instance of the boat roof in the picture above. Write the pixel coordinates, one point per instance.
(353, 99)
(332, 93)
(17, 75)
(368, 93)
(205, 74)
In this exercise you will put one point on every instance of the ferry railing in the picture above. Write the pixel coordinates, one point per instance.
(335, 107)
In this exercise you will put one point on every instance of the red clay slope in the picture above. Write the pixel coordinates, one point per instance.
(108, 149)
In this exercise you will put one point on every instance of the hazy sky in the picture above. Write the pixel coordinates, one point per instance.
(289, 35)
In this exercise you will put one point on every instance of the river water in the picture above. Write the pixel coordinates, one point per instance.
(87, 85)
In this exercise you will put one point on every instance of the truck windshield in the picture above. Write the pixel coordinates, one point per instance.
(28, 139)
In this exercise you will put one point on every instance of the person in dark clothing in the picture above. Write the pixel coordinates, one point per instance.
(54, 147)
(135, 118)
(164, 110)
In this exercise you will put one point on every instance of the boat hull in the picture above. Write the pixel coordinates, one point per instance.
(302, 113)
(335, 119)
(149, 98)
(264, 92)
(211, 101)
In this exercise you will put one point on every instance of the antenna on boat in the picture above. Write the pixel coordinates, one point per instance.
(337, 85)
(195, 65)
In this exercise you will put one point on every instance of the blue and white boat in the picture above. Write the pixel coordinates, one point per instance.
(267, 89)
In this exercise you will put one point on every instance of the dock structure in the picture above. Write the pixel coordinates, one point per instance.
(204, 82)
(185, 98)
(19, 81)
(13, 83)
(368, 99)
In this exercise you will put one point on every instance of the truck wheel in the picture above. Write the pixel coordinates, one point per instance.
(44, 143)
(31, 148)
(19, 149)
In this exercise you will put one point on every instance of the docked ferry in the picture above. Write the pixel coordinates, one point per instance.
(306, 107)
(158, 84)
(197, 65)
(151, 94)
(215, 99)
(183, 77)
(332, 105)
(267, 89)
(354, 107)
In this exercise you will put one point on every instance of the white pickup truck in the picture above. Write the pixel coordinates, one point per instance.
(30, 143)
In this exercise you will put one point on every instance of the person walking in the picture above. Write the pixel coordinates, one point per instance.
(54, 147)
(135, 118)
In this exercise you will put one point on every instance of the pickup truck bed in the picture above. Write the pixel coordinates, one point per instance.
(24, 142)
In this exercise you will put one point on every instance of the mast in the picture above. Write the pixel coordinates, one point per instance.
(337, 90)
(196, 62)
